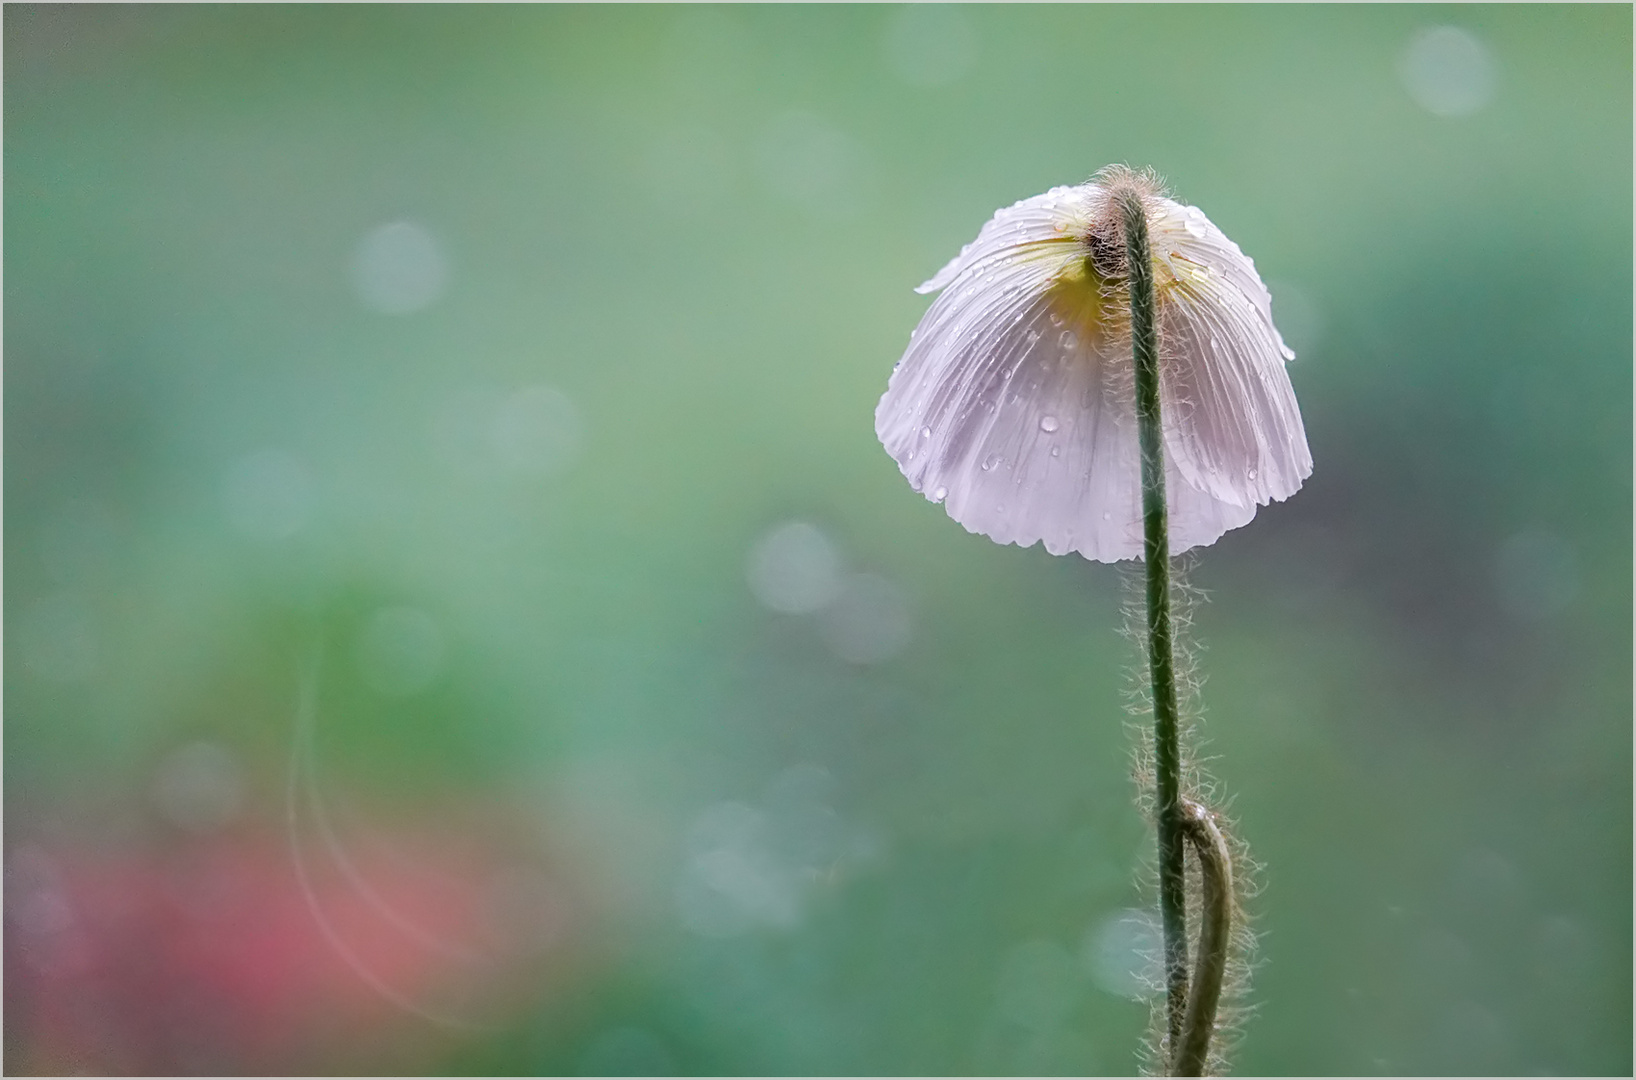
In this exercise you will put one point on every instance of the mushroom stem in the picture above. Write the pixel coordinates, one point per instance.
(1144, 333)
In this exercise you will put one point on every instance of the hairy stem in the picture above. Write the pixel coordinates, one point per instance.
(1144, 335)
(1215, 932)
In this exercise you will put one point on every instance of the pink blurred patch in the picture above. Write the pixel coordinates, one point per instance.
(211, 957)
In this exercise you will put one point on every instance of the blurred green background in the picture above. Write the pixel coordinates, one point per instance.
(502, 380)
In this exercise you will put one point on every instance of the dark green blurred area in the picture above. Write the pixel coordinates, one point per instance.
(477, 356)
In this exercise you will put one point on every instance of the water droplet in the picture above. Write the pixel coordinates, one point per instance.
(1252, 474)
(1033, 336)
(1106, 516)
(1056, 320)
(1195, 222)
(1068, 340)
(1215, 346)
(1048, 424)
(993, 463)
(925, 433)
(1056, 451)
(940, 494)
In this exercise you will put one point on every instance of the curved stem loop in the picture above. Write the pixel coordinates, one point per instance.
(1215, 930)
